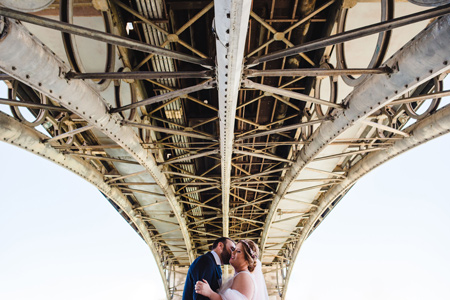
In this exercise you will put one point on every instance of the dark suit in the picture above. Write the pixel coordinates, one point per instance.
(204, 267)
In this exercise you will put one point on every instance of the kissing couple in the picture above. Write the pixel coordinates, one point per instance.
(204, 278)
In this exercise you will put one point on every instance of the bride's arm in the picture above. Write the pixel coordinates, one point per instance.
(203, 288)
(243, 283)
(242, 287)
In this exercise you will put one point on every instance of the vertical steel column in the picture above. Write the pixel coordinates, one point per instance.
(231, 26)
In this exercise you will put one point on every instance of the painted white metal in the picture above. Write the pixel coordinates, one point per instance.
(26, 5)
(231, 25)
(17, 134)
(418, 61)
(45, 73)
(425, 130)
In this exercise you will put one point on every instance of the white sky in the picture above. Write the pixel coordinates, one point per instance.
(387, 239)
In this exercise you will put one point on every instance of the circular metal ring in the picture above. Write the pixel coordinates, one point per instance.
(117, 97)
(58, 123)
(70, 46)
(27, 6)
(429, 2)
(306, 131)
(144, 133)
(387, 13)
(333, 91)
(15, 110)
(390, 122)
(411, 110)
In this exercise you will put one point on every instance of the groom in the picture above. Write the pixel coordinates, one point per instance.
(207, 267)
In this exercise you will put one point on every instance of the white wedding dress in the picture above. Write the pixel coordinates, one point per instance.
(227, 293)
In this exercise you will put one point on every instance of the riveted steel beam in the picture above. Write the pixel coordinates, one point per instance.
(31, 140)
(191, 157)
(353, 34)
(413, 64)
(286, 93)
(25, 58)
(231, 24)
(168, 130)
(314, 72)
(427, 129)
(276, 130)
(141, 75)
(101, 36)
(166, 96)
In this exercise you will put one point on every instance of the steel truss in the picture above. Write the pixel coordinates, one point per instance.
(224, 130)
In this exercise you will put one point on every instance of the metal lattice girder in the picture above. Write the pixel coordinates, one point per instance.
(231, 23)
(26, 59)
(423, 58)
(427, 129)
(29, 139)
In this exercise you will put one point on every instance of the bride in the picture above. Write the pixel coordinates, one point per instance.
(248, 281)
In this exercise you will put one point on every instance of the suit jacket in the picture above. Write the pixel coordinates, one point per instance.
(203, 267)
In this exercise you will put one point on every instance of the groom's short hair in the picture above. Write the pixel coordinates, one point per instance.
(222, 240)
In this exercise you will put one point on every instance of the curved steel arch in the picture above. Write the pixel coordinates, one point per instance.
(45, 73)
(420, 60)
(29, 139)
(425, 130)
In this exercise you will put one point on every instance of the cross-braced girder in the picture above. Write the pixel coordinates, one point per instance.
(216, 119)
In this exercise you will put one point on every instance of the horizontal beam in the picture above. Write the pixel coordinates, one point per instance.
(167, 96)
(314, 72)
(70, 133)
(348, 153)
(302, 97)
(101, 36)
(103, 158)
(353, 34)
(189, 157)
(280, 129)
(420, 98)
(265, 173)
(12, 102)
(168, 130)
(384, 127)
(140, 75)
(190, 176)
(263, 156)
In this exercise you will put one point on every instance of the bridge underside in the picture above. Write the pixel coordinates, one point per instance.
(198, 119)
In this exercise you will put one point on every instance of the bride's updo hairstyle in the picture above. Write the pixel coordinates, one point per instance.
(251, 252)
